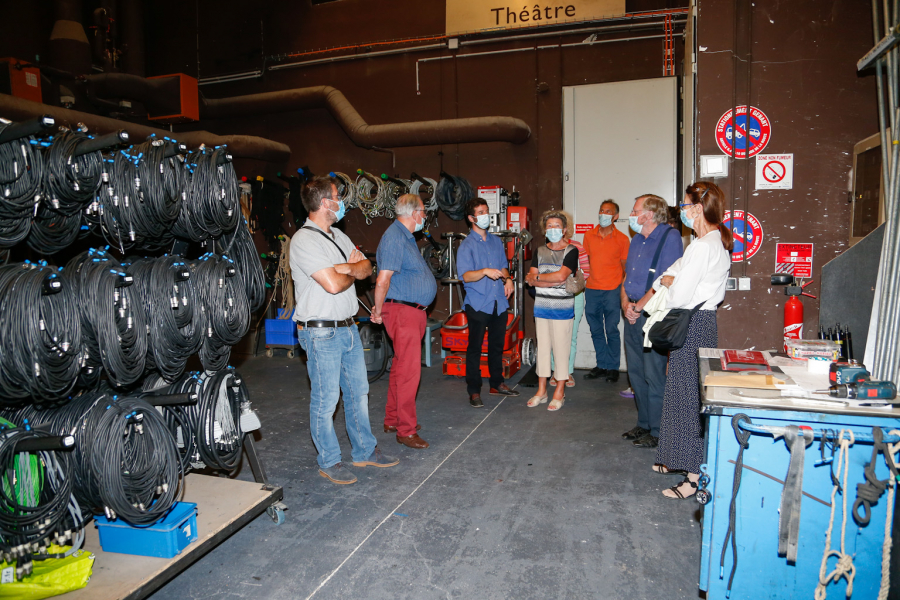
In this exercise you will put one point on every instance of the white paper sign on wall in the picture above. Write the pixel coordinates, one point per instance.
(774, 171)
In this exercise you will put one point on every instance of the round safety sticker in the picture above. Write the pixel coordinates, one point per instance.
(747, 232)
(745, 134)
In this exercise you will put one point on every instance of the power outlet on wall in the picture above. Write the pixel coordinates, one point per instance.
(731, 284)
(744, 283)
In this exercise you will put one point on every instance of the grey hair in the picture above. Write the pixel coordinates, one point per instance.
(657, 206)
(554, 214)
(407, 205)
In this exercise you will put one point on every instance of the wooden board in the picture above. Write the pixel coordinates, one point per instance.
(223, 506)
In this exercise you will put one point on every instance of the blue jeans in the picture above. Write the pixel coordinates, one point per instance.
(602, 309)
(647, 375)
(579, 312)
(335, 363)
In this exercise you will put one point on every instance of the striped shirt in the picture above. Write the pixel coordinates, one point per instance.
(584, 261)
(555, 302)
(412, 280)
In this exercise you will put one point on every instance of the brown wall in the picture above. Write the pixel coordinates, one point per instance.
(803, 76)
(383, 89)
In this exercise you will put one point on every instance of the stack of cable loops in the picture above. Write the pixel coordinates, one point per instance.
(141, 197)
(40, 333)
(21, 172)
(126, 463)
(175, 319)
(37, 504)
(239, 245)
(209, 433)
(73, 172)
(223, 298)
(113, 320)
(212, 205)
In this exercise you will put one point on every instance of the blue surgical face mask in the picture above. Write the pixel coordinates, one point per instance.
(687, 220)
(483, 221)
(341, 211)
(554, 235)
(419, 225)
(605, 220)
(633, 223)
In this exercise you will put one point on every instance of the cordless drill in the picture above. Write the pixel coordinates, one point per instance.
(863, 390)
(847, 372)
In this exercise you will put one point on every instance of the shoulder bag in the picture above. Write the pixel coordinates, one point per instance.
(671, 332)
(575, 281)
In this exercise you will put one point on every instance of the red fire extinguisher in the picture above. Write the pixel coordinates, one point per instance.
(793, 312)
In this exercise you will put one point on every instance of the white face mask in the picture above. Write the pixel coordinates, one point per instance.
(605, 220)
(554, 235)
(483, 221)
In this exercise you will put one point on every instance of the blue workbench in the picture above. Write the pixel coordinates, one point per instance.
(761, 572)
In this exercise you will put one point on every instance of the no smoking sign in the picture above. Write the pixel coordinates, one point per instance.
(774, 171)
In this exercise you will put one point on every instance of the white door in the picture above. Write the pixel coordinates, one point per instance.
(619, 141)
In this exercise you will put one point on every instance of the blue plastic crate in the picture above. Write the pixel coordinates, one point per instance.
(164, 539)
(281, 332)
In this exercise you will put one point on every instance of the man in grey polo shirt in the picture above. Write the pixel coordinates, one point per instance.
(324, 266)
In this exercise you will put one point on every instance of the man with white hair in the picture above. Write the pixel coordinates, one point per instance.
(654, 247)
(404, 289)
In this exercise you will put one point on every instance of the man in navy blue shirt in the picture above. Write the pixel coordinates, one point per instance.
(481, 262)
(404, 288)
(654, 247)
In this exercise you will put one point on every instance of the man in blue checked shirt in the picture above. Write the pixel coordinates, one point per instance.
(404, 289)
(654, 247)
(481, 260)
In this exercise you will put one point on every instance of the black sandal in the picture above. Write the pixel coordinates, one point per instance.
(663, 469)
(677, 491)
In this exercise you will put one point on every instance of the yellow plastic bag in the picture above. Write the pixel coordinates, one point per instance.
(50, 577)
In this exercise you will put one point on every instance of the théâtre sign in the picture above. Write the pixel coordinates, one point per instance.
(475, 15)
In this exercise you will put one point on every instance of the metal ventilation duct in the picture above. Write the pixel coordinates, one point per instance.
(242, 146)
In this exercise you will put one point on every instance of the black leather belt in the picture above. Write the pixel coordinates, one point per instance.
(633, 301)
(413, 304)
(308, 324)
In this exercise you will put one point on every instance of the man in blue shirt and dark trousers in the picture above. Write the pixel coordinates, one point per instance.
(481, 260)
(653, 249)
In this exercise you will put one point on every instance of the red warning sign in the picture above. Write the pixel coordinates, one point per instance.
(744, 135)
(583, 227)
(774, 171)
(795, 259)
(747, 232)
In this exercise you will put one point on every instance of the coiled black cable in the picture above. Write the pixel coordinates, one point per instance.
(452, 194)
(240, 247)
(37, 504)
(224, 299)
(113, 319)
(69, 185)
(212, 205)
(40, 334)
(209, 431)
(141, 198)
(21, 173)
(174, 315)
(126, 462)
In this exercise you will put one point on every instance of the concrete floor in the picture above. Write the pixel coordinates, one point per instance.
(508, 502)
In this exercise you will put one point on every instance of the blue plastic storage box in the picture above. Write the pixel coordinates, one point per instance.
(164, 539)
(281, 332)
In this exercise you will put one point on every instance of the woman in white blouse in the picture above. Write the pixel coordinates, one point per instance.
(696, 279)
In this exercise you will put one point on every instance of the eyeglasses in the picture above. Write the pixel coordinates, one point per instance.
(643, 210)
(682, 206)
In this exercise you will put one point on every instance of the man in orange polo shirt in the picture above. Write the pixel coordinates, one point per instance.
(607, 250)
